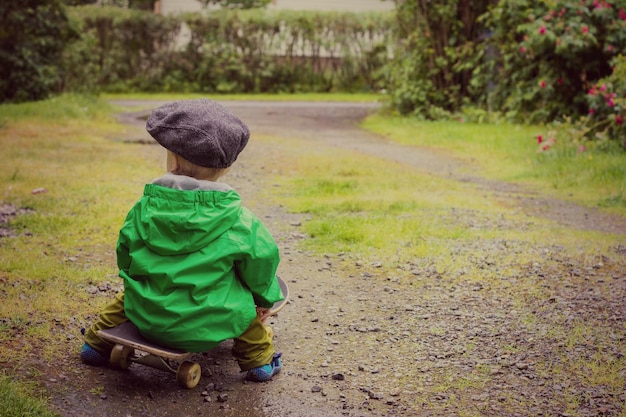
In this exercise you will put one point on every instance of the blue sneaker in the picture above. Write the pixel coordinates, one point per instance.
(266, 372)
(92, 357)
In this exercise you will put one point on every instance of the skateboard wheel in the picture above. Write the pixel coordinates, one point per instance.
(188, 374)
(120, 356)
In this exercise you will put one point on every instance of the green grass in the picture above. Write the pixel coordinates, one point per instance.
(595, 177)
(18, 400)
(371, 207)
(66, 240)
(62, 109)
(87, 179)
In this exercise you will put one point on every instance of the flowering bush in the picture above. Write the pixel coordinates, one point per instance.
(606, 120)
(607, 103)
(556, 53)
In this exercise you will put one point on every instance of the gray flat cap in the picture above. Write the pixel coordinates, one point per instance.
(201, 131)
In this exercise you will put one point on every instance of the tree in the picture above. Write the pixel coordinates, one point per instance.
(32, 38)
(432, 71)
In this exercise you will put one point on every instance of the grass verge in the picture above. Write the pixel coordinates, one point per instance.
(595, 177)
(371, 207)
(18, 400)
(70, 187)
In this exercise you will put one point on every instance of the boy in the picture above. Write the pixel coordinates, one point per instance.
(198, 268)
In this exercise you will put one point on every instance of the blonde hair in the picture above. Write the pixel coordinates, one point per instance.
(180, 166)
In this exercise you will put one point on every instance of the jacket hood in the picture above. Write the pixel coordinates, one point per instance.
(180, 215)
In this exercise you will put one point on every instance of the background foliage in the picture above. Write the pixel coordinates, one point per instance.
(33, 36)
(531, 61)
(439, 47)
(528, 61)
(228, 51)
(553, 52)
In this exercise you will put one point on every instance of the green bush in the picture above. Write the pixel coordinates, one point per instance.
(439, 47)
(258, 51)
(552, 53)
(607, 104)
(32, 39)
(120, 49)
(228, 51)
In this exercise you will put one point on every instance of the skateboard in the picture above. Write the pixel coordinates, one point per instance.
(128, 340)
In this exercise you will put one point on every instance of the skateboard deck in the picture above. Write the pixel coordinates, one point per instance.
(127, 339)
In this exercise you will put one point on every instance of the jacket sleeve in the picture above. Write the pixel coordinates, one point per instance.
(257, 267)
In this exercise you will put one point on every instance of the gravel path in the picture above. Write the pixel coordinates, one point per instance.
(360, 340)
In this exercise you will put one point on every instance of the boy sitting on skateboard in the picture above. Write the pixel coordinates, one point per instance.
(198, 268)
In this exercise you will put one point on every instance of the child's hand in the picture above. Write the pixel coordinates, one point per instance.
(263, 313)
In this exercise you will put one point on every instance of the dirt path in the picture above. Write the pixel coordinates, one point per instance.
(368, 343)
(336, 124)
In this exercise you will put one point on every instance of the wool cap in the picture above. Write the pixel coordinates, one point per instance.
(201, 131)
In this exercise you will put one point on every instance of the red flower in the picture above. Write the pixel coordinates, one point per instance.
(585, 29)
(542, 30)
(545, 147)
(523, 49)
(543, 84)
(539, 138)
(619, 120)
(592, 110)
(622, 14)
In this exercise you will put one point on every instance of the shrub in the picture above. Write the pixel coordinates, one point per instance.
(259, 51)
(607, 103)
(121, 49)
(228, 51)
(32, 39)
(439, 47)
(552, 53)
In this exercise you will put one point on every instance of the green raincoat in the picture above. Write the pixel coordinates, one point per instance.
(195, 263)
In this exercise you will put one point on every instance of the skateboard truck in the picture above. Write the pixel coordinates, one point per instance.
(127, 339)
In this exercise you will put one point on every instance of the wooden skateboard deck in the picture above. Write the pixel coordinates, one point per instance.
(282, 303)
(127, 334)
(127, 338)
